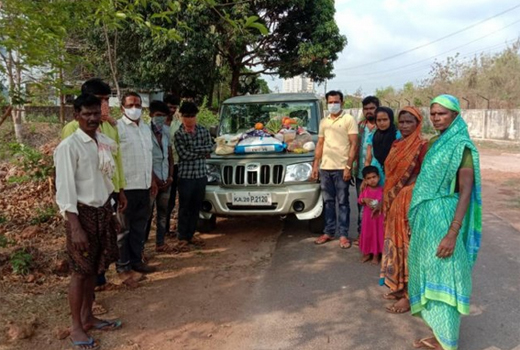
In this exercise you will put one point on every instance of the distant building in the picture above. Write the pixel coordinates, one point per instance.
(298, 84)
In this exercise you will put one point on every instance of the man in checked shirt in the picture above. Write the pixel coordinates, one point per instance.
(193, 144)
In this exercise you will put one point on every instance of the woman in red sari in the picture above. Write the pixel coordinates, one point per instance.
(402, 167)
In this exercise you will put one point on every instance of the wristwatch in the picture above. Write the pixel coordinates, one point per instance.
(348, 167)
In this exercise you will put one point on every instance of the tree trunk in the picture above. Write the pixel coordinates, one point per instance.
(62, 99)
(235, 79)
(112, 59)
(14, 96)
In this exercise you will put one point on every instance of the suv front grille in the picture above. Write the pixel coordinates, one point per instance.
(263, 175)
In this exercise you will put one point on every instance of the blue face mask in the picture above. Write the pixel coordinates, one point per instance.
(159, 121)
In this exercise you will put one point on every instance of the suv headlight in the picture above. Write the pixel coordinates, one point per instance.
(298, 172)
(213, 173)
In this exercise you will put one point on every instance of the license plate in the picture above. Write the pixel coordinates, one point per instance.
(251, 198)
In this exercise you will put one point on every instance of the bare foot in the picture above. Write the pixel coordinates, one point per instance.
(397, 295)
(400, 307)
(366, 257)
(376, 260)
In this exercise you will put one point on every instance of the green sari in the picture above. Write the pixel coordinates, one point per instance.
(440, 288)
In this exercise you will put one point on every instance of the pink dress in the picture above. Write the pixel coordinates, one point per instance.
(372, 229)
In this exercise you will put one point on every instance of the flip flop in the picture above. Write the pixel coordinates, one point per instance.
(108, 326)
(345, 243)
(393, 310)
(423, 343)
(90, 343)
(323, 239)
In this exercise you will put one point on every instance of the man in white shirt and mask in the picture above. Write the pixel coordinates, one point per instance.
(135, 138)
(84, 169)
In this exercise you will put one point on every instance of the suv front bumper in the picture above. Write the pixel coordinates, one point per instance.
(283, 199)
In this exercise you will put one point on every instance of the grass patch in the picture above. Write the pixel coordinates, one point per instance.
(21, 262)
(43, 215)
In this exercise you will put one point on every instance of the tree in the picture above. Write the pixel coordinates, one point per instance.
(302, 38)
(33, 47)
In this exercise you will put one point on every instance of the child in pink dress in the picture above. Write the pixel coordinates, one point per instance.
(372, 224)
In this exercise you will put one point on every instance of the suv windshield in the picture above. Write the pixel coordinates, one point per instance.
(236, 118)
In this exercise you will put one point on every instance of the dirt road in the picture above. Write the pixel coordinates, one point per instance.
(261, 284)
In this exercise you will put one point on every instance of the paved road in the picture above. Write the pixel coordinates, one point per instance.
(322, 297)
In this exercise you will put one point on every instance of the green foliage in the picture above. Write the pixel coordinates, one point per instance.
(493, 76)
(39, 118)
(36, 165)
(21, 261)
(43, 215)
(4, 241)
(206, 117)
(19, 179)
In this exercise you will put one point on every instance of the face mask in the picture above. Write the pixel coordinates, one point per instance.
(334, 108)
(159, 121)
(133, 113)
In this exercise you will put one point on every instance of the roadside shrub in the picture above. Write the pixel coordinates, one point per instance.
(36, 165)
(206, 117)
(21, 262)
(40, 118)
(43, 215)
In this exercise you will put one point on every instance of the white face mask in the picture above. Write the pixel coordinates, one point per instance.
(334, 108)
(133, 113)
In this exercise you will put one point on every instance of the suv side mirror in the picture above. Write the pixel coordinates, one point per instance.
(213, 131)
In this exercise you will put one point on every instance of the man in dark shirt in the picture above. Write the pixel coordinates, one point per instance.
(193, 144)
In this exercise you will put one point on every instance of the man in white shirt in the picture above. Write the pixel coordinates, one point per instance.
(84, 168)
(334, 157)
(135, 138)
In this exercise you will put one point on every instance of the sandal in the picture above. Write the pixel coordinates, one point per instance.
(165, 248)
(98, 309)
(344, 243)
(90, 344)
(197, 241)
(323, 239)
(424, 343)
(108, 326)
(183, 246)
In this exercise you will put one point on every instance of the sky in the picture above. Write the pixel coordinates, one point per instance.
(379, 29)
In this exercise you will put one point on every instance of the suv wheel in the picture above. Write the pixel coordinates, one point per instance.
(316, 225)
(207, 225)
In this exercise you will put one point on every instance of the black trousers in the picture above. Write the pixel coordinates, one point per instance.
(132, 237)
(191, 195)
(173, 196)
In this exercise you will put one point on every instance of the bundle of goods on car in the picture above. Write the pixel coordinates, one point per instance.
(277, 135)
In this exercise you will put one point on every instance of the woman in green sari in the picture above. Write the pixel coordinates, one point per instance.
(446, 224)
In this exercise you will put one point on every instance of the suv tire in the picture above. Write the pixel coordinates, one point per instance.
(316, 225)
(207, 225)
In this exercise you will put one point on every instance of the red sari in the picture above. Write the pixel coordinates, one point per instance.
(403, 162)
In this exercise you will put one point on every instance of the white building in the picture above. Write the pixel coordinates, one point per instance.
(298, 84)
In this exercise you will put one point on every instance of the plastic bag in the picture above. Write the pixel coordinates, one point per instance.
(259, 145)
(226, 144)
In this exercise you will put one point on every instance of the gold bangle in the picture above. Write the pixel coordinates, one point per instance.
(456, 222)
